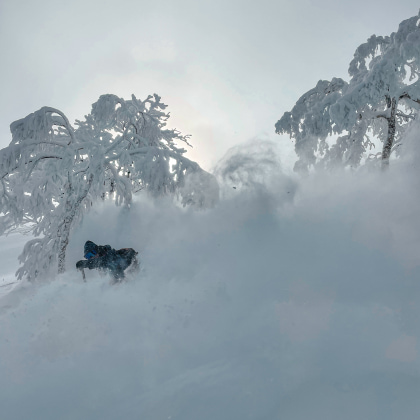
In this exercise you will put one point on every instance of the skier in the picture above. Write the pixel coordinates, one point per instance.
(108, 259)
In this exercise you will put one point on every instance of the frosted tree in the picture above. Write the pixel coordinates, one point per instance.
(381, 98)
(52, 172)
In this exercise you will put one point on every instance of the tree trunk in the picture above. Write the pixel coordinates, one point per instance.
(386, 151)
(64, 241)
(71, 211)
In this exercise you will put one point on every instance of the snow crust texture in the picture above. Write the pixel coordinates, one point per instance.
(291, 299)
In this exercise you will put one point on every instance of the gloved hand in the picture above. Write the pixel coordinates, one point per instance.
(81, 264)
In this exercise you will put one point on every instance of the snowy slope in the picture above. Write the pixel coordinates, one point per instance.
(10, 248)
(274, 305)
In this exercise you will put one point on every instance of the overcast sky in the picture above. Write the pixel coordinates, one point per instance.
(227, 69)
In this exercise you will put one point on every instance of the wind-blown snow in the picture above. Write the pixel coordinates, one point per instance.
(295, 300)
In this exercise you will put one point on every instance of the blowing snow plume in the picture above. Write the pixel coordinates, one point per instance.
(252, 166)
(272, 305)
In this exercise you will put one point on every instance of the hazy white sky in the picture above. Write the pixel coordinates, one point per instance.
(227, 69)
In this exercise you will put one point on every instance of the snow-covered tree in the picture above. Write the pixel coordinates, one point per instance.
(382, 96)
(52, 172)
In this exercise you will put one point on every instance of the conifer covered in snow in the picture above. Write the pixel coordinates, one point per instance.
(52, 172)
(381, 98)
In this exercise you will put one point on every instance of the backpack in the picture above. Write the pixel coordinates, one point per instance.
(129, 255)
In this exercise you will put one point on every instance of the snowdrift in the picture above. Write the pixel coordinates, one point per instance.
(291, 300)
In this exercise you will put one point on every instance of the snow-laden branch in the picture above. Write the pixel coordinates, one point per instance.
(39, 126)
(406, 95)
